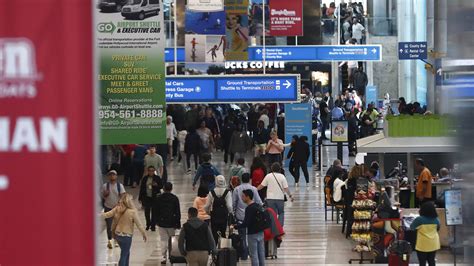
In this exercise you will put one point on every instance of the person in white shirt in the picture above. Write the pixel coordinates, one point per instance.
(357, 30)
(277, 186)
(264, 117)
(181, 139)
(171, 134)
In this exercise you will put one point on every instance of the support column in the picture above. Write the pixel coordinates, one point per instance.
(431, 78)
(440, 41)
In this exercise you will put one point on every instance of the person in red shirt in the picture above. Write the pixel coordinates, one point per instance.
(258, 171)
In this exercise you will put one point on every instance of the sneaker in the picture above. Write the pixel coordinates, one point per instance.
(307, 187)
(188, 172)
(116, 244)
(109, 245)
(163, 262)
(297, 185)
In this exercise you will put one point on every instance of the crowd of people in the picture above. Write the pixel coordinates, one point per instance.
(351, 20)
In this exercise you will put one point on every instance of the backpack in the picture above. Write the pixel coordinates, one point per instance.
(262, 219)
(220, 213)
(207, 175)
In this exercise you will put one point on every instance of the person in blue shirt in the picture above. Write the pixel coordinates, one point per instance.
(206, 173)
(240, 206)
(427, 238)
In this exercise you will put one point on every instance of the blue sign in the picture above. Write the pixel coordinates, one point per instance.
(412, 50)
(317, 53)
(169, 55)
(298, 121)
(371, 95)
(222, 89)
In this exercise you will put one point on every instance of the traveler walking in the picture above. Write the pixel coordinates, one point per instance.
(260, 138)
(192, 147)
(360, 81)
(199, 203)
(171, 135)
(237, 171)
(155, 160)
(240, 142)
(125, 218)
(112, 191)
(427, 241)
(168, 217)
(150, 188)
(138, 160)
(206, 173)
(207, 139)
(227, 131)
(300, 157)
(425, 179)
(253, 213)
(274, 149)
(277, 186)
(290, 155)
(219, 206)
(127, 164)
(195, 240)
(258, 171)
(239, 207)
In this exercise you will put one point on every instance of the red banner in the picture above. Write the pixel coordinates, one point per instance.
(46, 133)
(286, 18)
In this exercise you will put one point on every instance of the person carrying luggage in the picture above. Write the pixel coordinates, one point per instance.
(219, 206)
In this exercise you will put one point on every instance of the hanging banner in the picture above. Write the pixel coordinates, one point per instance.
(47, 133)
(286, 18)
(208, 23)
(237, 30)
(256, 18)
(132, 73)
(205, 5)
(298, 121)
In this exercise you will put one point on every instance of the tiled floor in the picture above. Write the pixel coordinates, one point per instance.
(309, 239)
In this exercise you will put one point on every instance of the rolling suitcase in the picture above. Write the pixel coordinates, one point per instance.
(226, 257)
(175, 255)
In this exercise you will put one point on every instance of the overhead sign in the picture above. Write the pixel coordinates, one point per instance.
(235, 88)
(205, 5)
(169, 55)
(412, 50)
(286, 18)
(254, 64)
(47, 137)
(305, 53)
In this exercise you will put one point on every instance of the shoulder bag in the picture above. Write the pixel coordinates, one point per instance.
(284, 194)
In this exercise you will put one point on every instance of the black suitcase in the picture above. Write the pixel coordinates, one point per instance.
(174, 254)
(226, 257)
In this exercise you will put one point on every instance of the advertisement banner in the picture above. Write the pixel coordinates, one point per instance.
(47, 133)
(130, 45)
(298, 121)
(286, 18)
(339, 131)
(237, 30)
(205, 5)
(207, 23)
(256, 18)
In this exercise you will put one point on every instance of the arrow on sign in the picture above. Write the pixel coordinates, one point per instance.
(287, 84)
(401, 50)
(374, 50)
(259, 51)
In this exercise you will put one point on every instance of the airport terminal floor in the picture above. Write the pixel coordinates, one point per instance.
(309, 239)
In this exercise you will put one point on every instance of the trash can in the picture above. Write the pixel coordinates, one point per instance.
(399, 255)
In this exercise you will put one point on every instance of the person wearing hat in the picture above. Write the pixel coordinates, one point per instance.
(111, 193)
(171, 135)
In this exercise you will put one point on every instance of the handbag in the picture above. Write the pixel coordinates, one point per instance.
(284, 194)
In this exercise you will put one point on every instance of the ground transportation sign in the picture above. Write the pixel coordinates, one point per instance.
(46, 133)
(232, 89)
(305, 53)
(412, 50)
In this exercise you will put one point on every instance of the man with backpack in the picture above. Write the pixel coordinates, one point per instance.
(169, 217)
(111, 193)
(236, 172)
(206, 173)
(256, 221)
(219, 206)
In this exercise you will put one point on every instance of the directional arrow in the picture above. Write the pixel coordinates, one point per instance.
(259, 51)
(401, 50)
(287, 84)
(374, 50)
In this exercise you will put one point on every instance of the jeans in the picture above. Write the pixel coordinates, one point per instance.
(424, 257)
(188, 160)
(165, 235)
(257, 249)
(138, 168)
(273, 158)
(227, 153)
(303, 166)
(279, 207)
(128, 171)
(197, 258)
(245, 248)
(108, 222)
(125, 243)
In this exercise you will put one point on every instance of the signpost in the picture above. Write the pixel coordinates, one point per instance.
(305, 53)
(412, 50)
(298, 121)
(236, 88)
